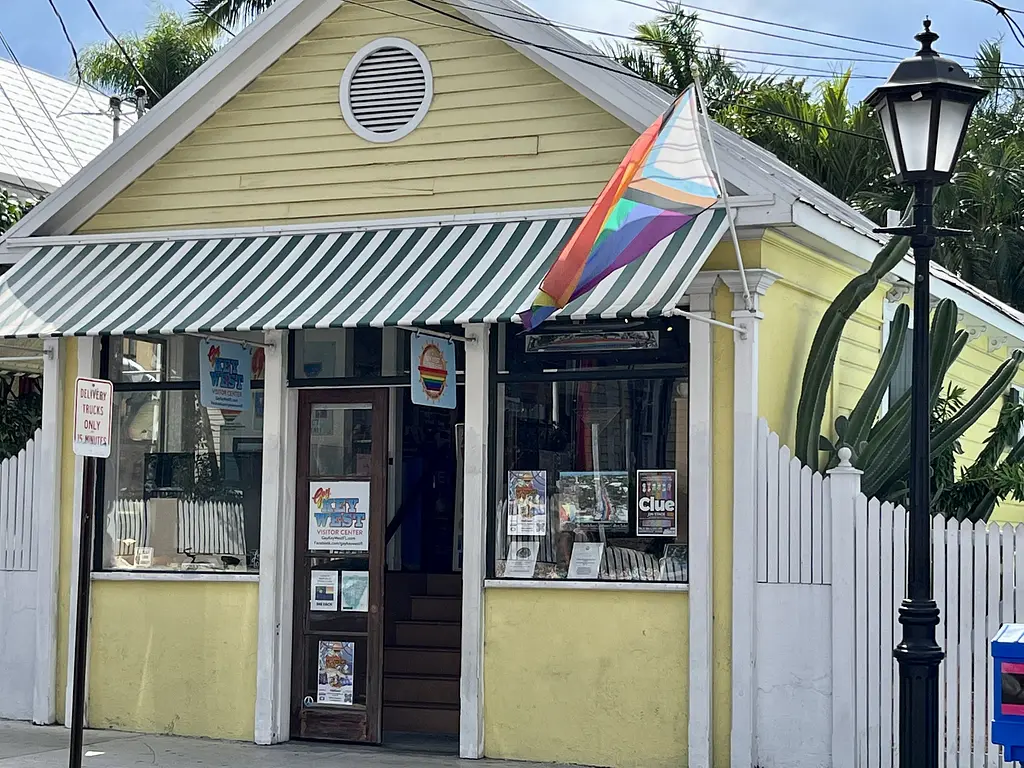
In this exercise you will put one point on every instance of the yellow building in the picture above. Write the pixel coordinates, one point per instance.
(335, 562)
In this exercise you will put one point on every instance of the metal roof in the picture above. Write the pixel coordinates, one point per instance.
(49, 128)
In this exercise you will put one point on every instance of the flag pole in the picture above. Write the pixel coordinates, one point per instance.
(702, 103)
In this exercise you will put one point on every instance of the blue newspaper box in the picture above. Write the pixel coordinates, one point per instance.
(1008, 707)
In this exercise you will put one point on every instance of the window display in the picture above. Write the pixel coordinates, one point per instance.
(591, 468)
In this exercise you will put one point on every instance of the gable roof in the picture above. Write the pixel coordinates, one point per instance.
(51, 128)
(799, 204)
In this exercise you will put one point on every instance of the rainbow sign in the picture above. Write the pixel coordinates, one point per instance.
(433, 374)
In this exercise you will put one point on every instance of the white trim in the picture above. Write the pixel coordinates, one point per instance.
(47, 491)
(1020, 399)
(888, 312)
(360, 225)
(344, 97)
(744, 499)
(589, 586)
(177, 115)
(196, 576)
(474, 548)
(699, 487)
(276, 520)
(88, 366)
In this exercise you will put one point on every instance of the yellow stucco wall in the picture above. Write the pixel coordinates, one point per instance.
(592, 677)
(174, 657)
(501, 134)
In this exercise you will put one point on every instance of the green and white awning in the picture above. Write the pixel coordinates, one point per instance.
(415, 276)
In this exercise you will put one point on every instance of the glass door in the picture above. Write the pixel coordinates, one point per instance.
(337, 654)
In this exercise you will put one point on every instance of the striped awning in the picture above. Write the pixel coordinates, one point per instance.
(416, 276)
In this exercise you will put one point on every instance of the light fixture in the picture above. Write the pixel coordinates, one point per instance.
(925, 108)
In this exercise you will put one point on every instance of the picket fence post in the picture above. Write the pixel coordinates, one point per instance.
(843, 489)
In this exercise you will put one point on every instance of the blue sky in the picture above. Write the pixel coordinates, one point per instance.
(33, 32)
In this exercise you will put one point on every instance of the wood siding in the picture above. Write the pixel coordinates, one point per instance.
(501, 134)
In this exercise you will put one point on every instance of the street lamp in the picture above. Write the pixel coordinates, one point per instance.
(924, 109)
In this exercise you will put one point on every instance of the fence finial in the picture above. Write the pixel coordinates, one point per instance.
(845, 454)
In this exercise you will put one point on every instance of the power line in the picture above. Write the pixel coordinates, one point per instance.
(201, 12)
(124, 52)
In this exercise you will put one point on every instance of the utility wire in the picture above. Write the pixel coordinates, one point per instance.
(124, 52)
(1015, 28)
(201, 12)
(35, 94)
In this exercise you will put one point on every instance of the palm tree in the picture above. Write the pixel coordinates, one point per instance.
(665, 51)
(170, 49)
(214, 14)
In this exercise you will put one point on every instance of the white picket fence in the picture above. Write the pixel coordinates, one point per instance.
(17, 517)
(978, 576)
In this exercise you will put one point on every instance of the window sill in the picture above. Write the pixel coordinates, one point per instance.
(595, 586)
(171, 576)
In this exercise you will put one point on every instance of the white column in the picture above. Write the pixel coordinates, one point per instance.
(844, 486)
(277, 518)
(47, 535)
(699, 484)
(474, 564)
(88, 365)
(744, 499)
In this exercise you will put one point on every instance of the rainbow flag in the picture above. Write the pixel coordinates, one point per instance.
(662, 184)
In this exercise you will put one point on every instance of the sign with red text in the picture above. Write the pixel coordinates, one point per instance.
(94, 417)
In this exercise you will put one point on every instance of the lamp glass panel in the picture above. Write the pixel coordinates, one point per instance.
(913, 120)
(889, 133)
(953, 117)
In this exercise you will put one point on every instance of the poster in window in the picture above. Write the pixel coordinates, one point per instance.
(527, 502)
(323, 590)
(521, 561)
(339, 516)
(335, 672)
(656, 503)
(592, 500)
(355, 591)
(227, 375)
(585, 562)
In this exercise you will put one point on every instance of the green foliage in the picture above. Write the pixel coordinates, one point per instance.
(12, 209)
(210, 14)
(166, 53)
(20, 416)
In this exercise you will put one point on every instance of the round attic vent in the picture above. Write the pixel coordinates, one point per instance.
(386, 90)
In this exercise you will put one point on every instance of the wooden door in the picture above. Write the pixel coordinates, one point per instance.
(338, 630)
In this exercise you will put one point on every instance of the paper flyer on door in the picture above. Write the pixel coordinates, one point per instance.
(323, 590)
(339, 516)
(656, 502)
(335, 672)
(355, 591)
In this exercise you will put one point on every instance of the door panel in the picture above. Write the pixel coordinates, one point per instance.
(341, 512)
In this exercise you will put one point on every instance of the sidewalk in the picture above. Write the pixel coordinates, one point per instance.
(26, 746)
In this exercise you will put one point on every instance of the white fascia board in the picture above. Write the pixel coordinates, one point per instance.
(237, 64)
(840, 241)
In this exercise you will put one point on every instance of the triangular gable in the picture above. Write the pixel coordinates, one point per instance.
(273, 34)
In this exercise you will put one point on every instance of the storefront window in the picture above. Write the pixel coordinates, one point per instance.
(592, 465)
(182, 486)
(357, 353)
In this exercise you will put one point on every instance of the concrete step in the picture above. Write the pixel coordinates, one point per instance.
(426, 661)
(429, 634)
(421, 718)
(421, 689)
(436, 608)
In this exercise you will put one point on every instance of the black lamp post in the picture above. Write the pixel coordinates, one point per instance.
(924, 109)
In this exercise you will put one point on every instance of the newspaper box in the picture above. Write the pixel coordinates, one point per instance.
(1008, 710)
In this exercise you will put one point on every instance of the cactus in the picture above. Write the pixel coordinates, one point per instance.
(821, 360)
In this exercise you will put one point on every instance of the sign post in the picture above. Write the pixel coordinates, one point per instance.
(94, 416)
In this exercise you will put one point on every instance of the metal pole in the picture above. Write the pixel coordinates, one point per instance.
(918, 654)
(82, 617)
